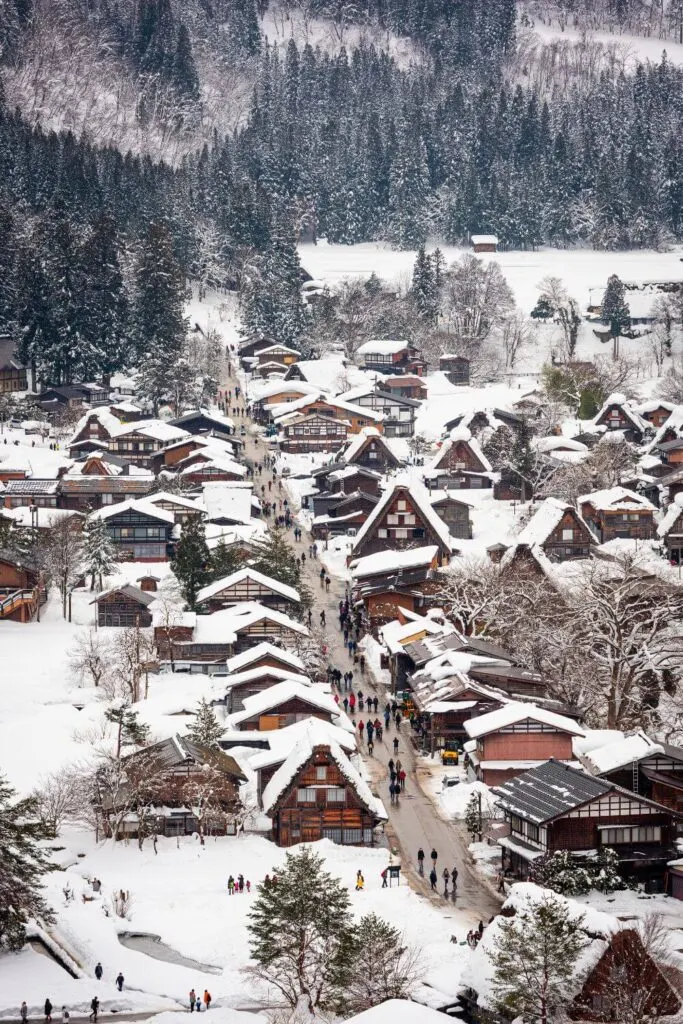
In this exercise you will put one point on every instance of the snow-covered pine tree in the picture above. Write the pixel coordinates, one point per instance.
(423, 287)
(276, 558)
(205, 728)
(372, 965)
(183, 69)
(295, 929)
(22, 865)
(98, 551)
(535, 958)
(473, 817)
(615, 310)
(191, 561)
(129, 728)
(408, 190)
(103, 303)
(272, 303)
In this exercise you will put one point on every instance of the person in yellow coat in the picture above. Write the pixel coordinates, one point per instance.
(360, 881)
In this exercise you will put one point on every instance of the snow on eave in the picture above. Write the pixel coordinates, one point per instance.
(616, 497)
(515, 712)
(386, 561)
(419, 495)
(143, 505)
(381, 347)
(288, 689)
(247, 573)
(282, 675)
(673, 511)
(281, 742)
(252, 654)
(357, 442)
(631, 415)
(620, 752)
(545, 519)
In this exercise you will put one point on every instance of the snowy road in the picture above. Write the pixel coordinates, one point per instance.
(415, 821)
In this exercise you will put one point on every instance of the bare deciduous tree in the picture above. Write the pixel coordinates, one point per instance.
(476, 298)
(90, 657)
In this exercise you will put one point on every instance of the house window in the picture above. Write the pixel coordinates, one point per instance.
(516, 823)
(321, 772)
(382, 533)
(401, 534)
(107, 499)
(402, 506)
(418, 533)
(352, 836)
(567, 535)
(336, 795)
(532, 831)
(637, 834)
(306, 795)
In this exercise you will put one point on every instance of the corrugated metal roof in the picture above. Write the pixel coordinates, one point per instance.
(548, 791)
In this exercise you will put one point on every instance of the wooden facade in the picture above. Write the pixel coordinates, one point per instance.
(525, 741)
(279, 716)
(374, 453)
(631, 523)
(407, 359)
(248, 589)
(320, 803)
(313, 433)
(571, 538)
(13, 375)
(139, 536)
(459, 455)
(614, 416)
(401, 524)
(406, 386)
(124, 608)
(456, 368)
(399, 412)
(456, 516)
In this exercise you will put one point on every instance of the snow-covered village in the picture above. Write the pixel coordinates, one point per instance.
(341, 511)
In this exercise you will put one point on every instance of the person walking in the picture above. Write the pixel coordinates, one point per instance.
(396, 744)
(119, 981)
(198, 1005)
(387, 719)
(434, 855)
(231, 886)
(360, 881)
(94, 1007)
(345, 702)
(391, 764)
(446, 879)
(48, 1011)
(322, 618)
(421, 861)
(432, 879)
(454, 876)
(193, 999)
(402, 779)
(66, 1016)
(24, 1011)
(207, 998)
(361, 727)
(99, 971)
(352, 702)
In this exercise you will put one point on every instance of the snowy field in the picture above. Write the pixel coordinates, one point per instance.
(180, 896)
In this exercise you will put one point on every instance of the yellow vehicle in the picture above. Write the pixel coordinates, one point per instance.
(450, 753)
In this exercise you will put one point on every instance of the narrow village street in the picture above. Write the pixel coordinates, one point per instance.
(414, 820)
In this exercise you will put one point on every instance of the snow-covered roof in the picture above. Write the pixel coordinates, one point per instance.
(38, 517)
(214, 460)
(545, 519)
(619, 753)
(653, 405)
(618, 399)
(279, 387)
(240, 661)
(222, 501)
(386, 561)
(357, 441)
(102, 414)
(282, 741)
(554, 444)
(380, 347)
(37, 463)
(398, 1011)
(143, 505)
(616, 498)
(239, 577)
(515, 712)
(280, 693)
(420, 498)
(302, 753)
(176, 499)
(251, 674)
(484, 239)
(395, 633)
(459, 435)
(158, 430)
(301, 405)
(674, 510)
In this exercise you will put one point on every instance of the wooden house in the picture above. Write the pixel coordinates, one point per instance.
(313, 432)
(322, 404)
(13, 374)
(368, 448)
(455, 514)
(139, 530)
(276, 393)
(160, 789)
(618, 414)
(281, 742)
(265, 655)
(390, 357)
(138, 442)
(625, 959)
(208, 465)
(456, 368)
(95, 425)
(124, 605)
(515, 738)
(95, 482)
(345, 513)
(484, 243)
(512, 487)
(656, 412)
(249, 585)
(182, 509)
(280, 355)
(398, 412)
(556, 807)
(460, 464)
(250, 347)
(645, 766)
(240, 686)
(204, 422)
(618, 513)
(403, 519)
(31, 491)
(670, 530)
(54, 400)
(285, 702)
(671, 453)
(21, 588)
(393, 580)
(404, 385)
(317, 793)
(148, 583)
(559, 530)
(352, 478)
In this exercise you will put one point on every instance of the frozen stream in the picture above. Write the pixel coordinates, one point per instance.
(151, 945)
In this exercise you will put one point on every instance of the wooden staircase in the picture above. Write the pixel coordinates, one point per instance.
(19, 605)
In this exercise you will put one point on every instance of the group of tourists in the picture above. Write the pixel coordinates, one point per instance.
(196, 1001)
(238, 884)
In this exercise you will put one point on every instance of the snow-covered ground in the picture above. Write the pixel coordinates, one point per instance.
(180, 896)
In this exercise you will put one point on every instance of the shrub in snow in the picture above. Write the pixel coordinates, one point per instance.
(563, 873)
